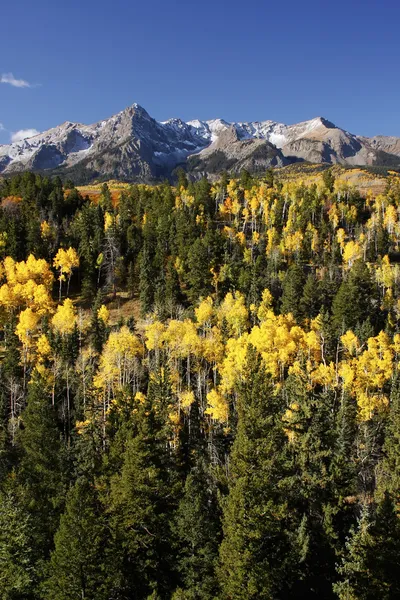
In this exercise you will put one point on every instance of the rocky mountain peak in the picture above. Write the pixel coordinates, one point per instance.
(326, 123)
(132, 145)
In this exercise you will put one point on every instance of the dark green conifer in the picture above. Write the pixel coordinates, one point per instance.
(292, 287)
(256, 552)
(144, 497)
(198, 531)
(82, 564)
(43, 466)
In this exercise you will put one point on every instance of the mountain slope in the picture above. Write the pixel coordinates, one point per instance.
(229, 153)
(133, 146)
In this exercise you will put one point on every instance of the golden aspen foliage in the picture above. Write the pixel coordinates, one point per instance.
(352, 251)
(204, 312)
(103, 314)
(47, 232)
(185, 198)
(181, 338)
(118, 361)
(312, 234)
(212, 346)
(272, 240)
(154, 335)
(8, 299)
(233, 366)
(229, 232)
(64, 319)
(279, 340)
(390, 219)
(325, 375)
(28, 283)
(20, 272)
(219, 276)
(289, 419)
(178, 265)
(366, 375)
(217, 406)
(350, 342)
(43, 347)
(247, 256)
(396, 343)
(341, 236)
(241, 238)
(233, 311)
(186, 398)
(27, 324)
(81, 426)
(347, 373)
(386, 274)
(65, 261)
(140, 398)
(292, 243)
(109, 221)
(265, 306)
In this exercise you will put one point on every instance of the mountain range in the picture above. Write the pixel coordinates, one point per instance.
(132, 146)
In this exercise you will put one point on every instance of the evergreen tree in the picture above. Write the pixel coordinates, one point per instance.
(198, 274)
(292, 287)
(82, 564)
(310, 300)
(388, 472)
(310, 425)
(17, 565)
(354, 581)
(143, 498)
(371, 563)
(329, 179)
(198, 531)
(344, 470)
(146, 285)
(355, 301)
(42, 469)
(256, 551)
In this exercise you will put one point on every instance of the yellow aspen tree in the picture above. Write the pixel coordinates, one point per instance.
(204, 312)
(154, 337)
(119, 367)
(265, 308)
(340, 236)
(65, 261)
(26, 327)
(217, 406)
(118, 363)
(351, 252)
(103, 314)
(350, 343)
(233, 310)
(64, 319)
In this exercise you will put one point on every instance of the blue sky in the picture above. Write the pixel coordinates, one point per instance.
(253, 60)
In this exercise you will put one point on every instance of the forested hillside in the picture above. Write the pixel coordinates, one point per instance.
(200, 396)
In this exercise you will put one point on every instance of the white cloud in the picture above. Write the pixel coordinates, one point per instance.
(1, 127)
(23, 134)
(11, 80)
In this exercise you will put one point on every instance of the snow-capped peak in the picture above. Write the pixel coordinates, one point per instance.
(138, 140)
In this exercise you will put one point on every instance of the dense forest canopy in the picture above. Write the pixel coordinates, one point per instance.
(200, 396)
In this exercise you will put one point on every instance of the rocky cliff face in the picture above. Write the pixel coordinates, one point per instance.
(135, 147)
(229, 152)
